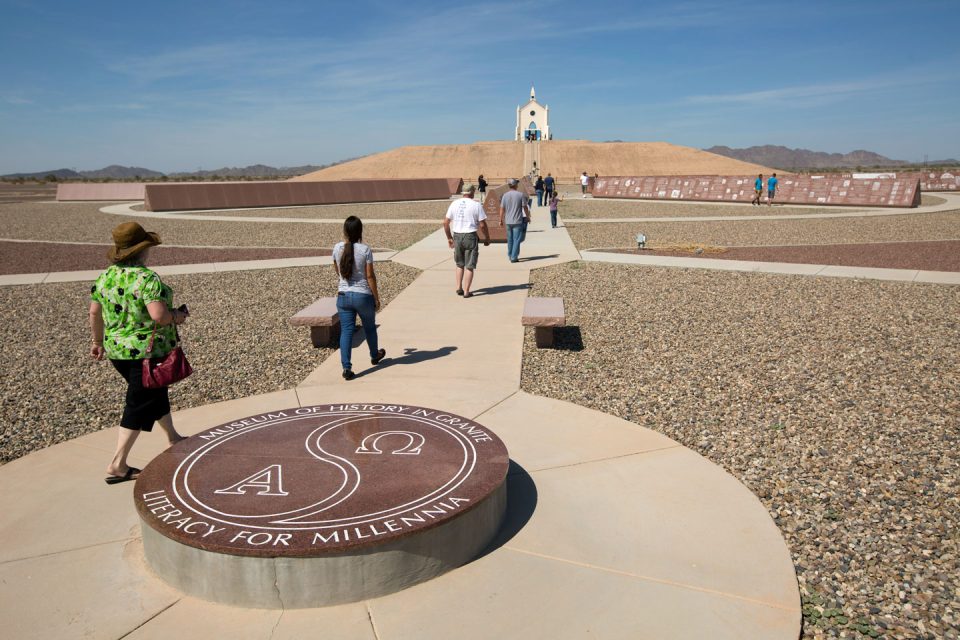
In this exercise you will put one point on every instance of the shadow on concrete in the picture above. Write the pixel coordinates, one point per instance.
(532, 258)
(567, 339)
(358, 336)
(411, 355)
(503, 288)
(521, 503)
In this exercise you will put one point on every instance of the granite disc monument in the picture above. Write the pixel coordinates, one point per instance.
(321, 505)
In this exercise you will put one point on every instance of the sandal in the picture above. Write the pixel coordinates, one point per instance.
(131, 474)
(459, 292)
(468, 295)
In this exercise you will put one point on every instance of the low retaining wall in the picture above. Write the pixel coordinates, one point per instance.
(218, 195)
(100, 191)
(901, 191)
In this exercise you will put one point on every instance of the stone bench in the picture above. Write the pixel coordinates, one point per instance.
(544, 314)
(323, 320)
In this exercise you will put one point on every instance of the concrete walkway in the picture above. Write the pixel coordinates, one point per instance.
(614, 531)
(951, 203)
(793, 268)
(126, 209)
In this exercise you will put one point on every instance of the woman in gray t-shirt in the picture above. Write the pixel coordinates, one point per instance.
(356, 294)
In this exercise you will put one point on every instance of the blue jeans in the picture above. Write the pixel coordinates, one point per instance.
(539, 197)
(349, 304)
(514, 237)
(553, 218)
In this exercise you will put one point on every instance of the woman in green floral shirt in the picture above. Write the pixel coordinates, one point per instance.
(128, 301)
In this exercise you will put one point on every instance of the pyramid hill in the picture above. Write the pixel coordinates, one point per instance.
(565, 159)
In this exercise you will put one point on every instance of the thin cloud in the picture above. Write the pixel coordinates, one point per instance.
(804, 93)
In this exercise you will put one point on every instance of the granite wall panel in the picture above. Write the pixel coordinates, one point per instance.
(940, 180)
(234, 195)
(901, 191)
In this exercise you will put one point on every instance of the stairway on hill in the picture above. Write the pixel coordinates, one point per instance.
(531, 158)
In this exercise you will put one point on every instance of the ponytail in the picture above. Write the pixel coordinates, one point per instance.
(352, 232)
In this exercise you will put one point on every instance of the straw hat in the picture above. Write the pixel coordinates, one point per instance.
(130, 239)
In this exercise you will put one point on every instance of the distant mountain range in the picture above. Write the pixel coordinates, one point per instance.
(774, 156)
(780, 157)
(118, 172)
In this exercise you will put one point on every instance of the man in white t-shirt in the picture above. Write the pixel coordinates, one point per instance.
(584, 181)
(464, 217)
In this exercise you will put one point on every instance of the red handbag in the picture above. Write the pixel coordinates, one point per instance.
(164, 371)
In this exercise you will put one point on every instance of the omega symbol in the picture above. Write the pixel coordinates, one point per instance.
(413, 446)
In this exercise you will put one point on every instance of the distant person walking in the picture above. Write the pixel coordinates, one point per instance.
(132, 318)
(584, 181)
(482, 187)
(549, 186)
(516, 213)
(757, 190)
(356, 294)
(538, 187)
(464, 217)
(554, 203)
(771, 189)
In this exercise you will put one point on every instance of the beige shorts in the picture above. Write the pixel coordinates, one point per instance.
(466, 247)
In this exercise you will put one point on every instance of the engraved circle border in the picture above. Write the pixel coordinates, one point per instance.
(343, 522)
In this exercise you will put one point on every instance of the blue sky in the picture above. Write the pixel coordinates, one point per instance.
(176, 86)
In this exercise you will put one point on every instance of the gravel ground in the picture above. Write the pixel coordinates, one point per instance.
(943, 255)
(425, 210)
(834, 400)
(83, 222)
(907, 228)
(52, 391)
(40, 257)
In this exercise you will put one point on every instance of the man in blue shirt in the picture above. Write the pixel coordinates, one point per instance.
(757, 190)
(771, 189)
(548, 184)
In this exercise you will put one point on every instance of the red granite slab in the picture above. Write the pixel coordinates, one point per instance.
(900, 191)
(526, 186)
(943, 180)
(233, 195)
(948, 180)
(320, 480)
(491, 206)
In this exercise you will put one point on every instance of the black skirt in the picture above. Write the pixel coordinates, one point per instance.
(143, 406)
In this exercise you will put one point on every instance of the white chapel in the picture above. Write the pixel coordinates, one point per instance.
(533, 120)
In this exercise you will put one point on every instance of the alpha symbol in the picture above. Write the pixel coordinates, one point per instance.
(267, 482)
(412, 447)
